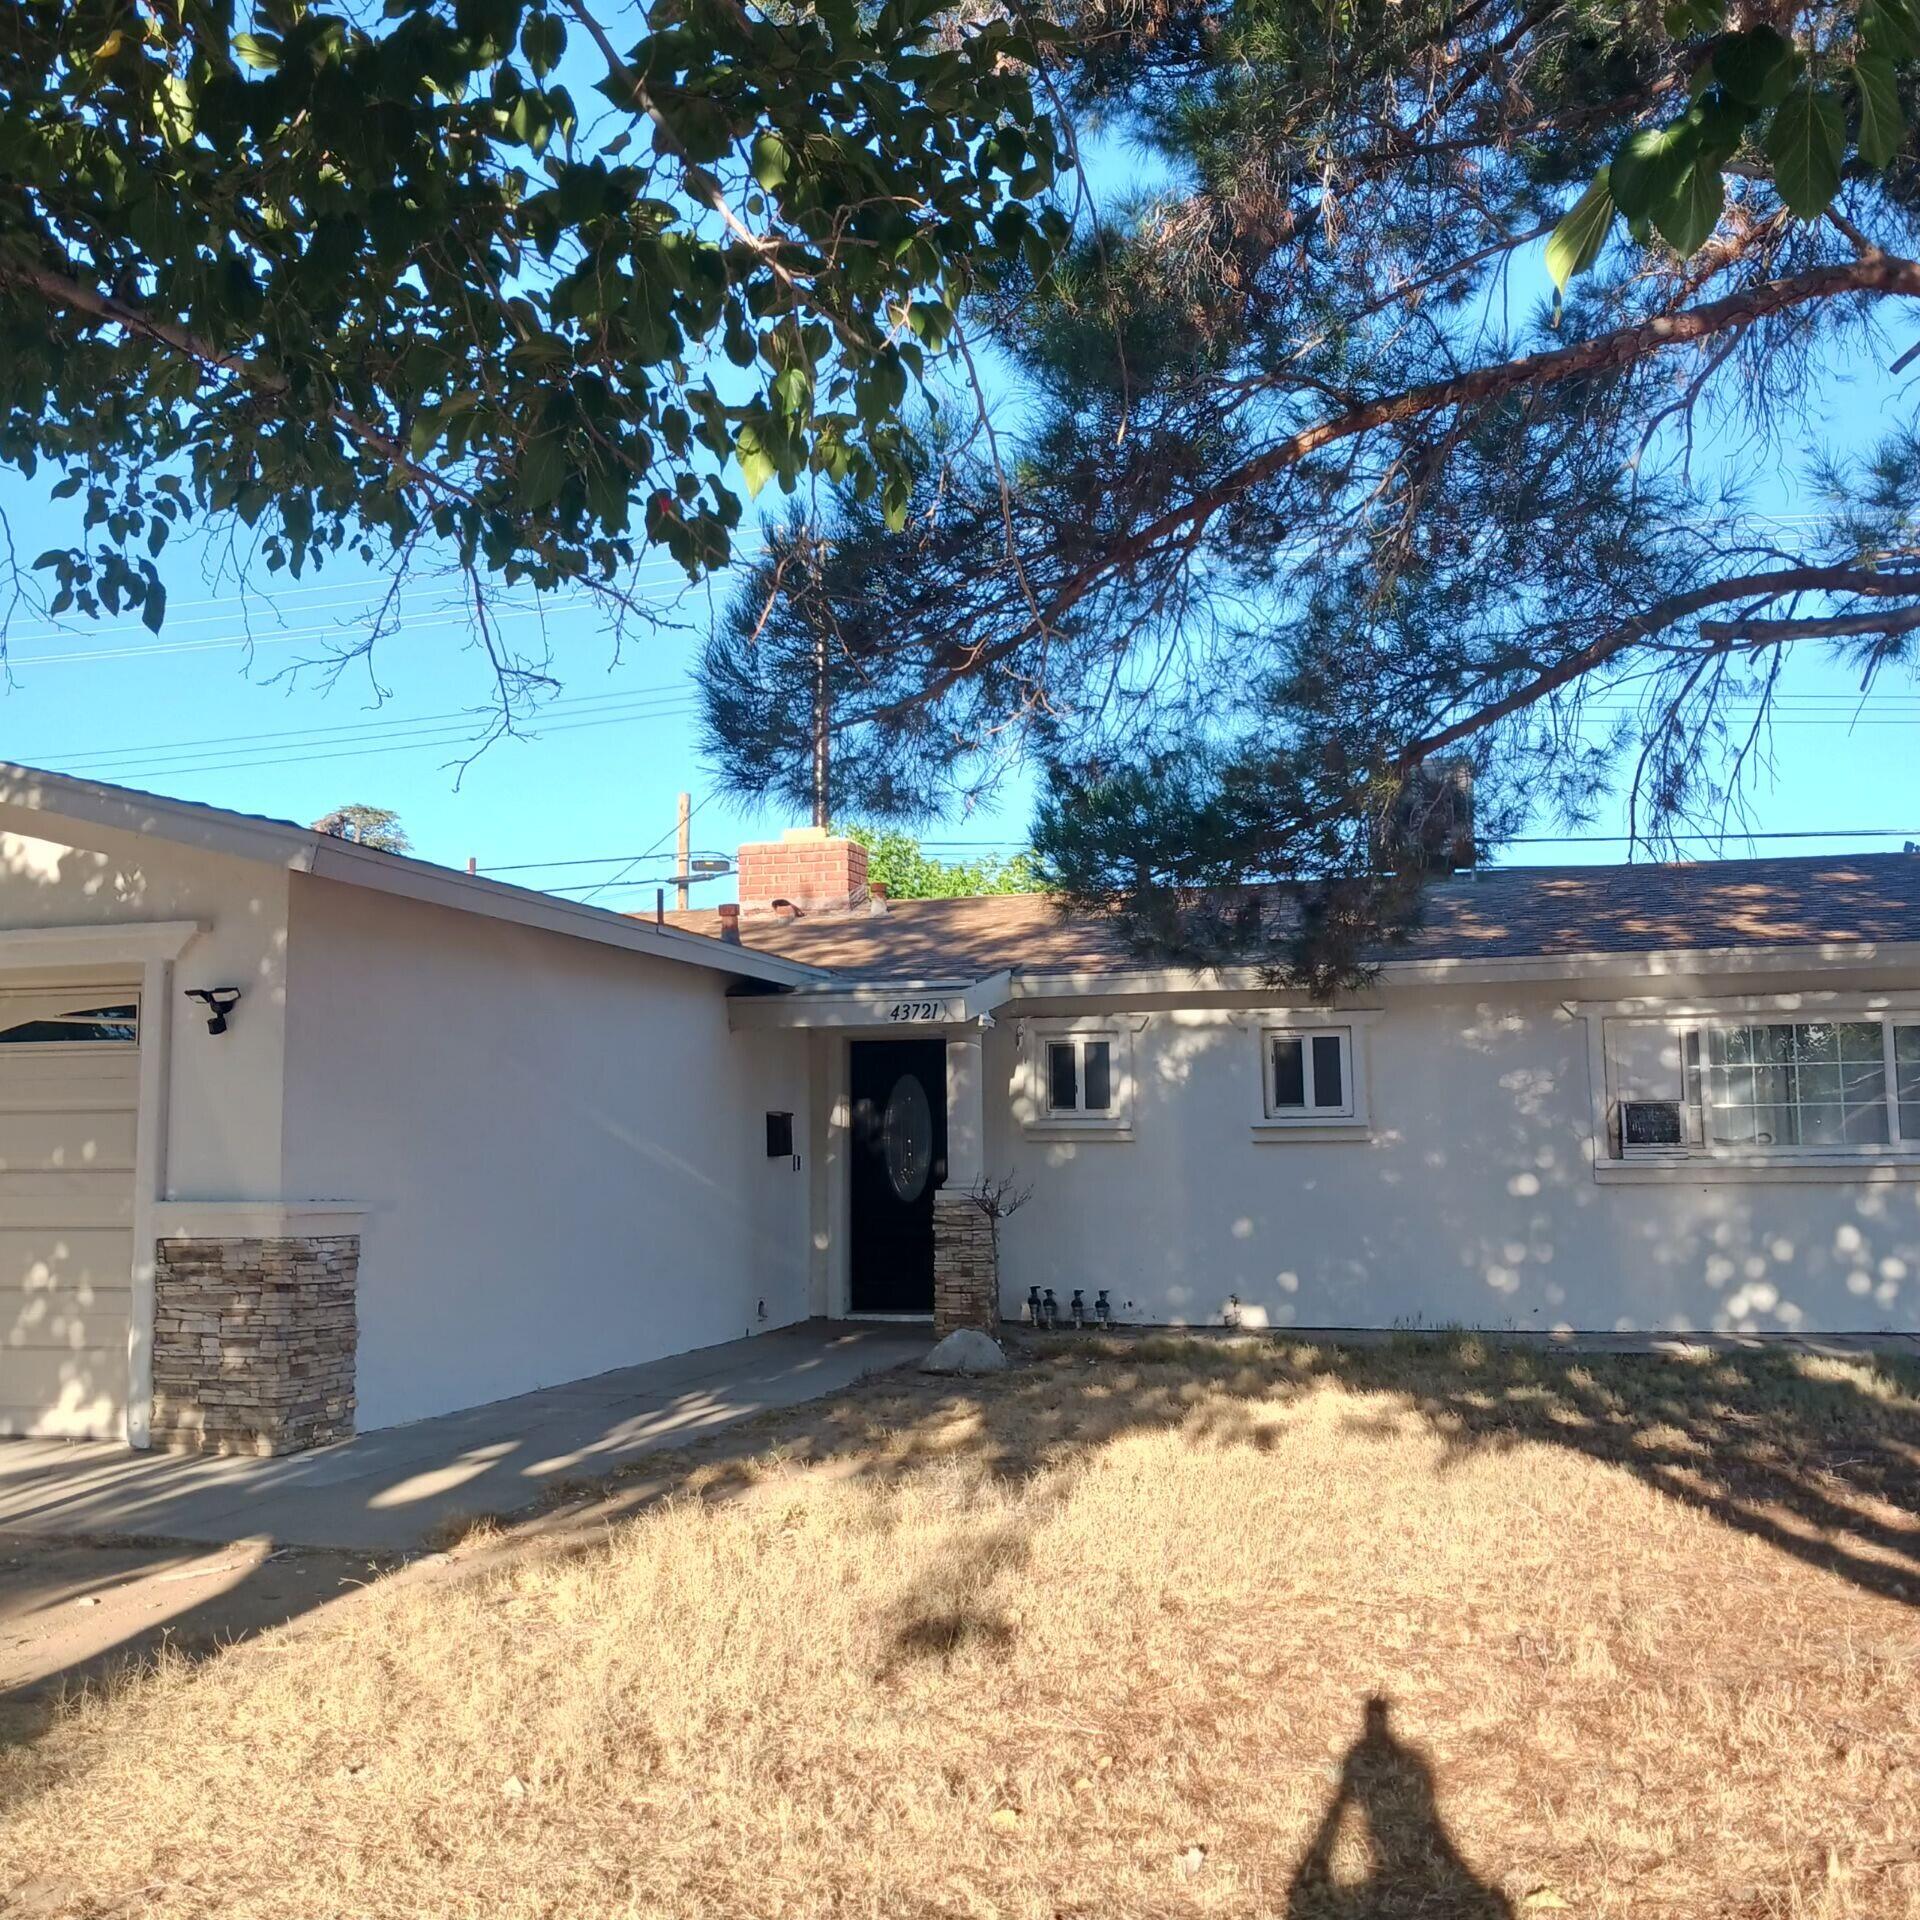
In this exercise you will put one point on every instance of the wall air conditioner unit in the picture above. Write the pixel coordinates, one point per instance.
(1652, 1130)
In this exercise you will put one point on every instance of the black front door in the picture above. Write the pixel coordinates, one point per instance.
(899, 1090)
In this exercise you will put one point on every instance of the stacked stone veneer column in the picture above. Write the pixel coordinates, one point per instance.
(966, 1264)
(253, 1343)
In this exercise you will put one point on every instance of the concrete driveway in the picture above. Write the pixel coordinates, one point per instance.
(390, 1491)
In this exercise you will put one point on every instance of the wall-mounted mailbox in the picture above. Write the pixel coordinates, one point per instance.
(779, 1135)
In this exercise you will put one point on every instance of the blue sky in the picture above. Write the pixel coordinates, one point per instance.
(199, 713)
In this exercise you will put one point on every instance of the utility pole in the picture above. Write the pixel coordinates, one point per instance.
(683, 864)
(822, 730)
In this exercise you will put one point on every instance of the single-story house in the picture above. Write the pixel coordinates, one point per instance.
(297, 1136)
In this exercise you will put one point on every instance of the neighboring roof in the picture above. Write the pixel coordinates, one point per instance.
(1498, 913)
(282, 843)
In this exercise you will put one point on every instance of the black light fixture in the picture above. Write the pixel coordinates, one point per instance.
(1077, 1310)
(219, 1002)
(1102, 1309)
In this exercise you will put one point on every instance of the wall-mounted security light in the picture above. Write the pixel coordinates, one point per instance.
(219, 1002)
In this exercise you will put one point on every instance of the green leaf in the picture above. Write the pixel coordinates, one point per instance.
(793, 390)
(543, 40)
(1883, 125)
(1650, 165)
(154, 610)
(1890, 27)
(543, 471)
(895, 498)
(772, 161)
(1688, 215)
(756, 464)
(1757, 67)
(1575, 243)
(1685, 18)
(1805, 141)
(261, 51)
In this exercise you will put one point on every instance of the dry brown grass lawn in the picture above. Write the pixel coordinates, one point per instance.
(1099, 1638)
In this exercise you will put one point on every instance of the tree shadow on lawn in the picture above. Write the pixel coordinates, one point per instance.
(1819, 1457)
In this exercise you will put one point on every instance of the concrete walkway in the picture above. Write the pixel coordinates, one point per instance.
(390, 1490)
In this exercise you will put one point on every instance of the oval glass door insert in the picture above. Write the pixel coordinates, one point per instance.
(907, 1137)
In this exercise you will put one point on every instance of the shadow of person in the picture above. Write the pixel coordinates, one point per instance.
(1412, 1865)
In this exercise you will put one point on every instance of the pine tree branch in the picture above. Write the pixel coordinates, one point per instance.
(1667, 613)
(1838, 626)
(1606, 352)
(1181, 528)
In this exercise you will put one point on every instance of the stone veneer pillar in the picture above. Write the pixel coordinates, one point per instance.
(966, 1264)
(253, 1343)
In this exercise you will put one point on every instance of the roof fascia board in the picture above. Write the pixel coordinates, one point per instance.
(416, 880)
(57, 797)
(869, 1003)
(1833, 957)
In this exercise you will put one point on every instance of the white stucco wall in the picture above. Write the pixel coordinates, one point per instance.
(1473, 1202)
(562, 1149)
(223, 1097)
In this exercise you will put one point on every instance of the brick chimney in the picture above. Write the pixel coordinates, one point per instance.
(805, 871)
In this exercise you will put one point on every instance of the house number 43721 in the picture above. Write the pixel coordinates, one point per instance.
(917, 1010)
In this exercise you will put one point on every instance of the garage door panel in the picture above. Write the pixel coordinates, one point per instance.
(75, 1137)
(60, 1394)
(67, 1131)
(69, 1321)
(57, 1076)
(44, 1200)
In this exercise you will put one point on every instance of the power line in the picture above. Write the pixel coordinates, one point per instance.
(600, 860)
(1630, 839)
(617, 878)
(441, 738)
(666, 688)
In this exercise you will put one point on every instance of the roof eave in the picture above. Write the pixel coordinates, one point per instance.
(59, 797)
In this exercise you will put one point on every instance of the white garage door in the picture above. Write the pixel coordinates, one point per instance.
(69, 1077)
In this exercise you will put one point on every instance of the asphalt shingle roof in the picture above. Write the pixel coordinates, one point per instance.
(1503, 912)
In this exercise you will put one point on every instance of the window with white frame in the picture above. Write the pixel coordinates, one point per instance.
(1076, 1075)
(1308, 1073)
(1079, 1076)
(1752, 1086)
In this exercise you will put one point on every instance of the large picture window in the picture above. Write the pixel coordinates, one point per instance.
(1749, 1087)
(1804, 1084)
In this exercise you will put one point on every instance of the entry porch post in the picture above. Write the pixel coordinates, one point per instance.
(966, 1258)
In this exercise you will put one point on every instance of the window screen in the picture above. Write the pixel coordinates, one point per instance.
(1098, 1060)
(1289, 1072)
(1063, 1078)
(1329, 1083)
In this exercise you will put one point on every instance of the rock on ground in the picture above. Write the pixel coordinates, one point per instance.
(966, 1351)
